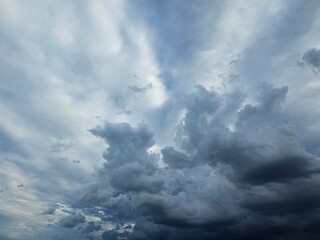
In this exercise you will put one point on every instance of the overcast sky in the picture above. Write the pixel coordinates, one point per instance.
(173, 119)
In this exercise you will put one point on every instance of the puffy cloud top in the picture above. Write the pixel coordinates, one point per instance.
(222, 182)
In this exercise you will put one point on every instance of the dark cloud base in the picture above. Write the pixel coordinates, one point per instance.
(312, 58)
(237, 172)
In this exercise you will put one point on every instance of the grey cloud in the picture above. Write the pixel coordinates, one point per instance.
(60, 145)
(50, 210)
(126, 144)
(280, 206)
(119, 103)
(55, 232)
(114, 235)
(177, 43)
(167, 212)
(175, 159)
(10, 145)
(312, 58)
(280, 170)
(136, 178)
(72, 220)
(255, 120)
(91, 227)
(299, 201)
(222, 182)
(136, 89)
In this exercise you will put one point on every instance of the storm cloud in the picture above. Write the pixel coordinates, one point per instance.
(221, 182)
(160, 120)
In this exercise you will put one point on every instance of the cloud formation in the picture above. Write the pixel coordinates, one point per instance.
(222, 182)
(208, 111)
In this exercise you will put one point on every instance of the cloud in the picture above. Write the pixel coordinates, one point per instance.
(248, 175)
(126, 144)
(140, 179)
(136, 89)
(55, 79)
(279, 170)
(72, 220)
(312, 58)
(91, 227)
(175, 159)
(235, 157)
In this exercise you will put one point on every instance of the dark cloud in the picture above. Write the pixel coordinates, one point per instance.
(312, 58)
(242, 179)
(50, 210)
(72, 220)
(91, 227)
(114, 235)
(175, 159)
(135, 178)
(279, 170)
(281, 206)
(126, 144)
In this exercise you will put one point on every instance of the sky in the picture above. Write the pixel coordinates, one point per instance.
(146, 120)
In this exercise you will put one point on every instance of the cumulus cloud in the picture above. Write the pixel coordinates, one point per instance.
(221, 182)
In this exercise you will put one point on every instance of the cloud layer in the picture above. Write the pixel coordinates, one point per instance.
(207, 111)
